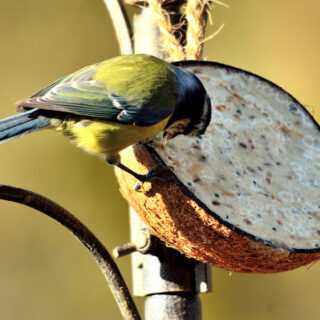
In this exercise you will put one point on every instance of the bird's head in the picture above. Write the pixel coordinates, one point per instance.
(193, 107)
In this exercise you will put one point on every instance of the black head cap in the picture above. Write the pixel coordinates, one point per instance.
(193, 107)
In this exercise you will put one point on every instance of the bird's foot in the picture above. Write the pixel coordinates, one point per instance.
(153, 175)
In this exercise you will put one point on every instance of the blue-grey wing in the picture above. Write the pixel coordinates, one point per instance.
(79, 94)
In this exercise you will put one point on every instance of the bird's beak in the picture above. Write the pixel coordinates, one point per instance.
(169, 135)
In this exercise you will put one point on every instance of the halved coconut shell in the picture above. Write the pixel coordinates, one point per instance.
(245, 196)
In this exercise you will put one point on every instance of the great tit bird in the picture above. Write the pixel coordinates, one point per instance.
(113, 104)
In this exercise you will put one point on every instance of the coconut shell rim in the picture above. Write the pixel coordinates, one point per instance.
(219, 65)
(183, 188)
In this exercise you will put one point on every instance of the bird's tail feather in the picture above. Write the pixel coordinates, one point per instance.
(21, 124)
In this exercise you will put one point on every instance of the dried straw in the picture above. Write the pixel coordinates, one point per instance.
(195, 14)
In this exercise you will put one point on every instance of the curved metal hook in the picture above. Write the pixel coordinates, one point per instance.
(110, 270)
(121, 25)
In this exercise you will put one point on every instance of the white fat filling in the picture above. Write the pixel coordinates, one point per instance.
(257, 165)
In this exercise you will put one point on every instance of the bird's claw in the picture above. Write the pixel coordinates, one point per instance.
(139, 184)
(152, 175)
(158, 169)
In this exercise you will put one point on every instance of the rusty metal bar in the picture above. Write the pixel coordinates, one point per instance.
(87, 238)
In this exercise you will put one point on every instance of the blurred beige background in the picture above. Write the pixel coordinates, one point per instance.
(44, 272)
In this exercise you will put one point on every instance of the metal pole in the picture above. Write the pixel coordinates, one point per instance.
(170, 281)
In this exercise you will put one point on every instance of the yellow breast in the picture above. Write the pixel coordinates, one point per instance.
(107, 138)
